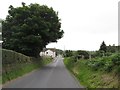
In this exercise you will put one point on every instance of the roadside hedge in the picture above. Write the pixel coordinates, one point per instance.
(16, 64)
(106, 64)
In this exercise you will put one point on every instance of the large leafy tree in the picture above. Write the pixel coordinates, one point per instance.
(28, 29)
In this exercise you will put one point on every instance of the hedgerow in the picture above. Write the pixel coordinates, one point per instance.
(105, 63)
(16, 64)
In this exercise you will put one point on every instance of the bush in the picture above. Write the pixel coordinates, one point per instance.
(107, 64)
(12, 57)
(68, 53)
(118, 70)
(116, 59)
(108, 68)
(83, 53)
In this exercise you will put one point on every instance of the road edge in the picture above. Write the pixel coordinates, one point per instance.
(77, 81)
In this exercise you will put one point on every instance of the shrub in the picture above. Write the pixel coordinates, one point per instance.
(118, 70)
(116, 59)
(83, 53)
(108, 68)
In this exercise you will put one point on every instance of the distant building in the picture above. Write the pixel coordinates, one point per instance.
(48, 52)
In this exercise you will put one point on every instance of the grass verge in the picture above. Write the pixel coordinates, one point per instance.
(0, 79)
(23, 68)
(89, 77)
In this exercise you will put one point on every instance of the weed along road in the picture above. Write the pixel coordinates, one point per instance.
(53, 75)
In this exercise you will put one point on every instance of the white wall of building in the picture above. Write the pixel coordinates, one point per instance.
(48, 53)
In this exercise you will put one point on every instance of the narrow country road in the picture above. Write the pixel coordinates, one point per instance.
(54, 75)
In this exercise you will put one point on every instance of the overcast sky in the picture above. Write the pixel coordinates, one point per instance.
(86, 23)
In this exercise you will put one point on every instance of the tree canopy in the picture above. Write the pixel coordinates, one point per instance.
(68, 53)
(84, 53)
(28, 29)
(103, 47)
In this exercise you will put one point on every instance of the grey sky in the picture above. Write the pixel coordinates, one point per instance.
(86, 23)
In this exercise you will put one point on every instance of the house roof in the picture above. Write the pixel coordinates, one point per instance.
(52, 49)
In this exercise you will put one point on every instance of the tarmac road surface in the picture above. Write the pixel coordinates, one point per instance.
(53, 75)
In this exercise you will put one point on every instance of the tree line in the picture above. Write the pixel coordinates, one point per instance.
(104, 50)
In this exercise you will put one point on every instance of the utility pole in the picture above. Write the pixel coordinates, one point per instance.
(64, 51)
(90, 55)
